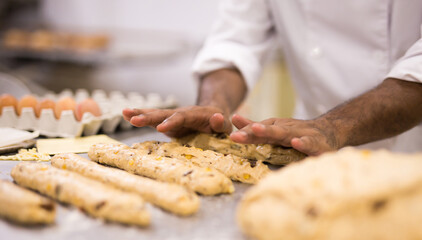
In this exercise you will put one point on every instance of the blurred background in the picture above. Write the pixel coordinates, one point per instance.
(139, 46)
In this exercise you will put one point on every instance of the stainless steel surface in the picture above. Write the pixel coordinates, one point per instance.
(215, 219)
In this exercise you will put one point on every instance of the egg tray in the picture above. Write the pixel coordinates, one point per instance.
(111, 106)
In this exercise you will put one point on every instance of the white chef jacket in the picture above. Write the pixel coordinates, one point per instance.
(335, 50)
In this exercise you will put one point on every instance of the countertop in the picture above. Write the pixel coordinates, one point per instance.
(214, 220)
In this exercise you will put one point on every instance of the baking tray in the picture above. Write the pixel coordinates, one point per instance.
(214, 220)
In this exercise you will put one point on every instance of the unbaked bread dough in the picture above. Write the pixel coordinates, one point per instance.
(169, 196)
(206, 181)
(23, 206)
(348, 195)
(221, 143)
(93, 197)
(234, 167)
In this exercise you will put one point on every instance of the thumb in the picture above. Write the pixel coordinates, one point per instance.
(219, 123)
(240, 122)
(307, 145)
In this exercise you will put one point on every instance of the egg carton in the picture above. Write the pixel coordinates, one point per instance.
(111, 106)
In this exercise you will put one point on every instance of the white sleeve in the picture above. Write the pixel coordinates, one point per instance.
(241, 37)
(409, 67)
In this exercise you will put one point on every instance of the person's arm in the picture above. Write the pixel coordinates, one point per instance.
(393, 107)
(230, 60)
(385, 111)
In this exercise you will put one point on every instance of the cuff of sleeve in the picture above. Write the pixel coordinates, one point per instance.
(227, 55)
(409, 67)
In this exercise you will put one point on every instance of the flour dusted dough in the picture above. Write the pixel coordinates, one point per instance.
(206, 181)
(23, 206)
(348, 195)
(169, 196)
(91, 196)
(221, 143)
(232, 166)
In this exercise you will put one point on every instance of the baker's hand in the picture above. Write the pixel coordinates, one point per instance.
(180, 121)
(311, 137)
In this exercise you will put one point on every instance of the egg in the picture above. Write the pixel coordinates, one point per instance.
(66, 103)
(27, 101)
(87, 105)
(44, 104)
(7, 100)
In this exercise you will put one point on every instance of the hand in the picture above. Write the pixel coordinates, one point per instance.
(311, 137)
(180, 121)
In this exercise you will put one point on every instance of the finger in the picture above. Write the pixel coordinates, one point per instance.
(246, 135)
(239, 137)
(240, 122)
(269, 121)
(173, 123)
(270, 134)
(128, 113)
(308, 145)
(178, 133)
(219, 123)
(152, 118)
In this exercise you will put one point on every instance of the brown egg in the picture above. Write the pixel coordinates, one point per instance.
(27, 101)
(87, 105)
(44, 104)
(15, 38)
(66, 103)
(7, 100)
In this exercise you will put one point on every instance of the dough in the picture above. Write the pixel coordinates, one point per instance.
(206, 181)
(171, 197)
(234, 167)
(24, 206)
(348, 195)
(276, 155)
(92, 197)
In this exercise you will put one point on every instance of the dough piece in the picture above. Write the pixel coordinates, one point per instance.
(234, 167)
(171, 197)
(221, 143)
(24, 206)
(348, 195)
(94, 198)
(206, 181)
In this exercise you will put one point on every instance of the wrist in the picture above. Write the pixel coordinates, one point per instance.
(224, 89)
(333, 134)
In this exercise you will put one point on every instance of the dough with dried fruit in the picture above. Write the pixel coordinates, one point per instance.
(23, 206)
(221, 143)
(206, 181)
(171, 197)
(347, 195)
(93, 197)
(234, 167)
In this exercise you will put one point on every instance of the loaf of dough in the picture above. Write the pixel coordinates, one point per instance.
(206, 181)
(169, 196)
(234, 167)
(221, 143)
(348, 195)
(24, 206)
(90, 196)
